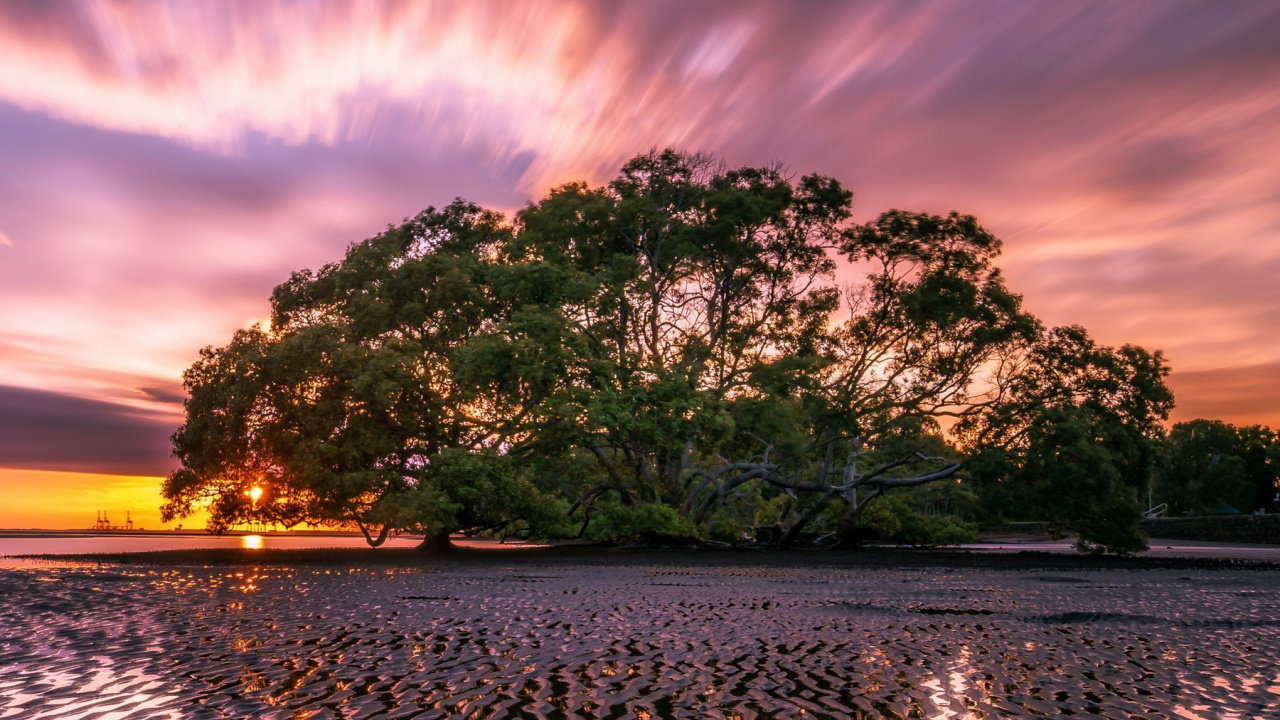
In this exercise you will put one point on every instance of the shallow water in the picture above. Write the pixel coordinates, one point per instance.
(570, 641)
(123, 542)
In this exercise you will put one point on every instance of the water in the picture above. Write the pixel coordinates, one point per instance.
(118, 543)
(559, 640)
(76, 544)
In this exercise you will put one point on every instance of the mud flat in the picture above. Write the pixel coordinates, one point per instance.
(639, 635)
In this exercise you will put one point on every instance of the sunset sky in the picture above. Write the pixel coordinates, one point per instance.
(164, 165)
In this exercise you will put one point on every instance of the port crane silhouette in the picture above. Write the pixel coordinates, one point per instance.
(103, 523)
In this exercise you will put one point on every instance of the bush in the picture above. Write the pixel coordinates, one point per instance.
(724, 526)
(622, 523)
(774, 510)
(892, 519)
(1112, 527)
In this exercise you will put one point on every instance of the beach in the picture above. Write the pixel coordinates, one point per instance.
(637, 635)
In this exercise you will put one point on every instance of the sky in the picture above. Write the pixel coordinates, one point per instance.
(164, 165)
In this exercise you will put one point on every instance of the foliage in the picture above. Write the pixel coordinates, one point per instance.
(895, 520)
(622, 523)
(1205, 462)
(669, 353)
(346, 411)
(1075, 437)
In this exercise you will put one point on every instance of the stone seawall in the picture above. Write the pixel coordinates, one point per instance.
(1264, 529)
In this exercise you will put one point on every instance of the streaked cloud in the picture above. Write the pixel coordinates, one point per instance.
(50, 431)
(1243, 395)
(166, 164)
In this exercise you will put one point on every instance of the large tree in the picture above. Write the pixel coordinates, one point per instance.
(714, 353)
(673, 350)
(346, 410)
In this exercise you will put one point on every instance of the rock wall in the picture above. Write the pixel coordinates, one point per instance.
(1263, 529)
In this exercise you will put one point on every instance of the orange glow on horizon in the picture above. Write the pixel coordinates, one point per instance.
(53, 500)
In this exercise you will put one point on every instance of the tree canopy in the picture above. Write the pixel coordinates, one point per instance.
(1075, 437)
(1206, 462)
(686, 350)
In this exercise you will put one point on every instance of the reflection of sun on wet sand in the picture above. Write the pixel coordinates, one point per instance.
(636, 635)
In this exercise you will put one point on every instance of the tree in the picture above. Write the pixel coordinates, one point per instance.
(1205, 462)
(346, 411)
(1260, 451)
(1075, 438)
(712, 360)
(669, 351)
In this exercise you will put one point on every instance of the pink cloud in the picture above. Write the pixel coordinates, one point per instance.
(1244, 395)
(167, 164)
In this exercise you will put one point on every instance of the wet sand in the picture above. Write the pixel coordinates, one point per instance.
(588, 633)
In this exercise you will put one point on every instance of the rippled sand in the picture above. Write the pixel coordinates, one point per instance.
(635, 641)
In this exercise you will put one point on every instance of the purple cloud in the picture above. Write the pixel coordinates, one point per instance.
(167, 164)
(42, 430)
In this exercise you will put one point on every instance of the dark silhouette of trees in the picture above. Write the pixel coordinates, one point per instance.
(669, 354)
(1075, 438)
(1206, 462)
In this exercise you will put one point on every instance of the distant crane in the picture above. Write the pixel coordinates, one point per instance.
(104, 523)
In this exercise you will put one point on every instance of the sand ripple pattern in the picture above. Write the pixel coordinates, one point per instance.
(119, 642)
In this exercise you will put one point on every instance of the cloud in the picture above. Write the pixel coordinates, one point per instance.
(1205, 307)
(299, 74)
(41, 430)
(1244, 394)
(4, 239)
(138, 253)
(168, 395)
(167, 164)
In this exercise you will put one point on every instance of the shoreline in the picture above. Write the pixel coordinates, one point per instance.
(194, 532)
(602, 556)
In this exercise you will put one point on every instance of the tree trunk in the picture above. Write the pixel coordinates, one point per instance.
(437, 542)
(789, 538)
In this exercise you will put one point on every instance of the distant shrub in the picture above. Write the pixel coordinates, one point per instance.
(893, 519)
(774, 510)
(724, 526)
(1111, 528)
(622, 523)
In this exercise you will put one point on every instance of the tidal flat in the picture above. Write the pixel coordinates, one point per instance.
(643, 635)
